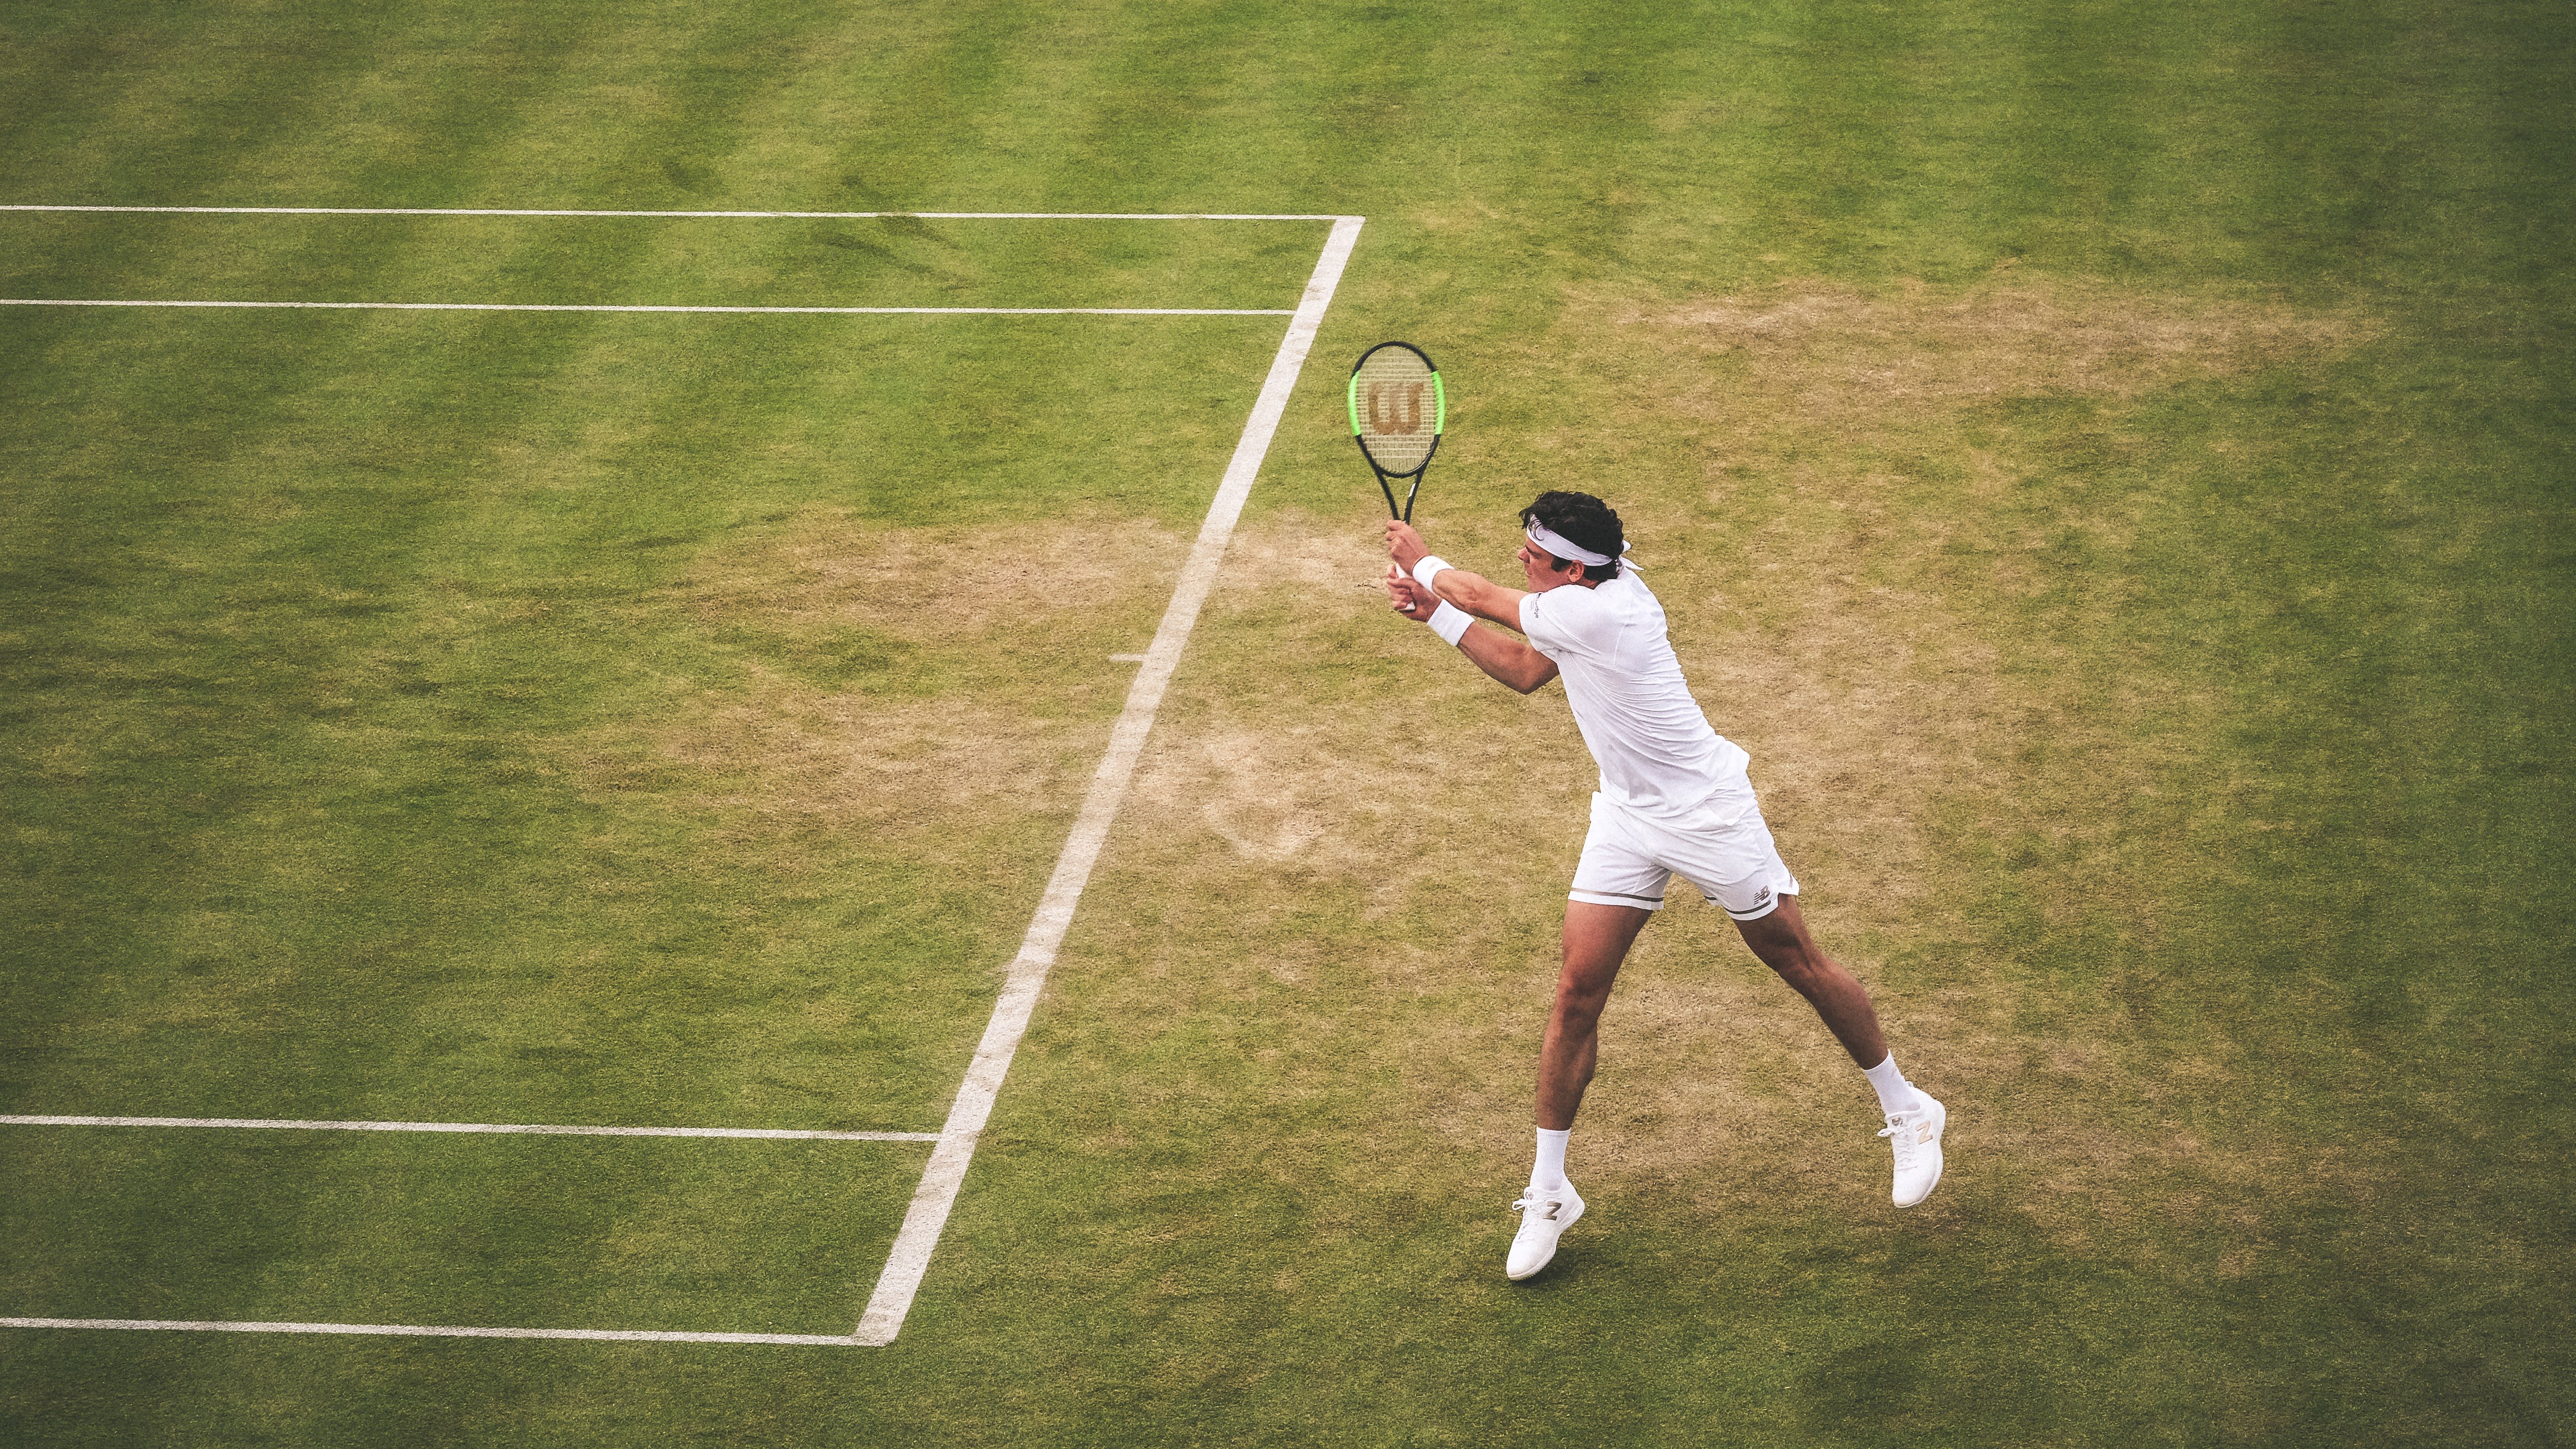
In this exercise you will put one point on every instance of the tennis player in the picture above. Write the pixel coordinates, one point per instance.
(1673, 800)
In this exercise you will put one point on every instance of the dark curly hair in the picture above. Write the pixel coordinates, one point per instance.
(1582, 519)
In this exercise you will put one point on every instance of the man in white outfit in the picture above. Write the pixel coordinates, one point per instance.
(1673, 799)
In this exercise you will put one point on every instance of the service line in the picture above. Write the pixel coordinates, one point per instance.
(712, 215)
(507, 1128)
(644, 307)
(430, 1330)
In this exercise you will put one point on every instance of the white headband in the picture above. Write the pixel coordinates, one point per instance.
(1557, 544)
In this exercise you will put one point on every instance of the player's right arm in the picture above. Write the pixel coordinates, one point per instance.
(1511, 661)
(1480, 596)
(1477, 595)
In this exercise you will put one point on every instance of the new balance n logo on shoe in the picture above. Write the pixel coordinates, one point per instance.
(1545, 1213)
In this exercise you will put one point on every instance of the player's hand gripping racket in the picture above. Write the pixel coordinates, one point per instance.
(1397, 409)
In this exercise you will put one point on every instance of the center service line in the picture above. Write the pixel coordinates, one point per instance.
(948, 1161)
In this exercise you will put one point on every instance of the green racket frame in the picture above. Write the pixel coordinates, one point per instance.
(1439, 424)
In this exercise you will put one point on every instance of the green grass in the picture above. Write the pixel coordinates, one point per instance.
(448, 717)
(344, 658)
(548, 1232)
(718, 261)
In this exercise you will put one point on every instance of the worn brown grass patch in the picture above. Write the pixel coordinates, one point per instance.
(1325, 743)
(914, 690)
(1290, 791)
(959, 588)
(1830, 349)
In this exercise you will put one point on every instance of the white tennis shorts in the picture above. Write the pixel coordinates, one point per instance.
(1628, 858)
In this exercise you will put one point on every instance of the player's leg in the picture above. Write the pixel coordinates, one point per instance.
(1914, 1119)
(1597, 938)
(1738, 867)
(1617, 889)
(1780, 938)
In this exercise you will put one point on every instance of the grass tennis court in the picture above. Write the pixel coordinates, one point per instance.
(2107, 466)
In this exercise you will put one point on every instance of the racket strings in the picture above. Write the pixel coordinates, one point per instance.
(1396, 405)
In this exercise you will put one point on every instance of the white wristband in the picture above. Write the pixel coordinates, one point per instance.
(1426, 567)
(1450, 622)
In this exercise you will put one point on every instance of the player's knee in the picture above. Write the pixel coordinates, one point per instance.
(1580, 1000)
(1803, 969)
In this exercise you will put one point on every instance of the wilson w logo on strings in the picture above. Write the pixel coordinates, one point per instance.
(1395, 407)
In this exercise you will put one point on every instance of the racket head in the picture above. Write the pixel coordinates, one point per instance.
(1398, 408)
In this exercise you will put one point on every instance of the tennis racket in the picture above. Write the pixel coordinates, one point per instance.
(1397, 409)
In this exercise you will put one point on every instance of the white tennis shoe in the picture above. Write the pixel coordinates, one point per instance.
(1546, 1212)
(1916, 1135)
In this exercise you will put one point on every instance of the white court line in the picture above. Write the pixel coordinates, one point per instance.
(584, 307)
(425, 1330)
(927, 1215)
(511, 1128)
(948, 1161)
(774, 215)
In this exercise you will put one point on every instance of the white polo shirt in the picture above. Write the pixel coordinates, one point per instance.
(1657, 753)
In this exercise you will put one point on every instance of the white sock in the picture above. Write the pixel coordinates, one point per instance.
(1895, 1094)
(1550, 1171)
